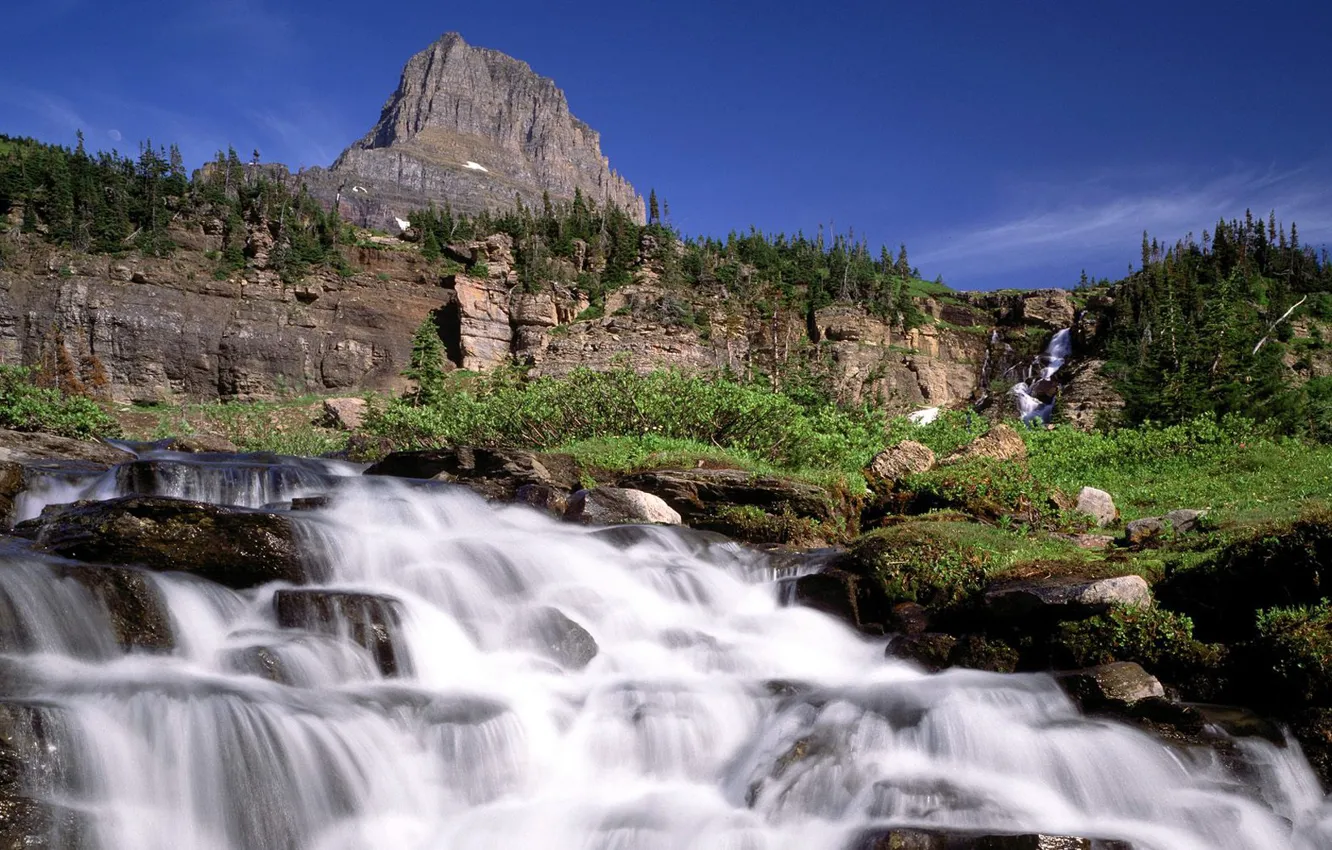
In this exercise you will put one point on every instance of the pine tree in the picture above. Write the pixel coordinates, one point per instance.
(426, 366)
(654, 211)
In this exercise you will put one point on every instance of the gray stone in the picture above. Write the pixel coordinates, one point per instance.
(906, 458)
(1140, 531)
(22, 446)
(345, 413)
(1001, 442)
(1116, 685)
(1064, 597)
(1184, 520)
(616, 505)
(1097, 504)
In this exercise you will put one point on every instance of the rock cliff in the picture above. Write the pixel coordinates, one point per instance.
(473, 127)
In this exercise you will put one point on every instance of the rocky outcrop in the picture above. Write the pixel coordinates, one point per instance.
(234, 547)
(1064, 597)
(906, 458)
(170, 332)
(472, 127)
(1000, 443)
(494, 473)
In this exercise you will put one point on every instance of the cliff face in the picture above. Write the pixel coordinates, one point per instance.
(474, 127)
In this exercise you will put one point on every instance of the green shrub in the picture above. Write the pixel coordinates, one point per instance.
(909, 563)
(1161, 641)
(502, 409)
(24, 406)
(983, 487)
(1291, 659)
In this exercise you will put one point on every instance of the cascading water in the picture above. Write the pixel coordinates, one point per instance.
(1034, 399)
(710, 715)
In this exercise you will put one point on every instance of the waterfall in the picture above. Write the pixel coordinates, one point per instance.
(708, 714)
(1035, 395)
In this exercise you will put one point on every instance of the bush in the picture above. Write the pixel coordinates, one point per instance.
(909, 563)
(24, 406)
(983, 487)
(1161, 641)
(1292, 656)
(502, 409)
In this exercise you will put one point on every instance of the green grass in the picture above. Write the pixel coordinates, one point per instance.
(282, 427)
(921, 288)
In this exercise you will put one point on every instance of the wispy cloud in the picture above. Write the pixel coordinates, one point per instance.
(1101, 218)
(58, 113)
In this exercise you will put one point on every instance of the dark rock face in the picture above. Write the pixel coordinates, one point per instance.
(1117, 685)
(928, 839)
(367, 620)
(20, 446)
(472, 127)
(494, 473)
(134, 607)
(844, 595)
(32, 765)
(1064, 598)
(234, 547)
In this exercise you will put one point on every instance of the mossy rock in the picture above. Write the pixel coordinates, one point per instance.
(911, 563)
(1161, 641)
(1286, 564)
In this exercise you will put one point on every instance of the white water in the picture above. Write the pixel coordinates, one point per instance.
(1049, 362)
(674, 736)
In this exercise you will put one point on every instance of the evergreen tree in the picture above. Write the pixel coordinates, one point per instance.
(426, 366)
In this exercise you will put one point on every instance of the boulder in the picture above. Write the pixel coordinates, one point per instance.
(1141, 531)
(134, 606)
(23, 446)
(198, 443)
(616, 505)
(345, 413)
(1063, 598)
(1001, 442)
(909, 618)
(1112, 686)
(563, 640)
(235, 547)
(368, 620)
(543, 497)
(931, 650)
(843, 595)
(906, 458)
(1184, 520)
(732, 501)
(1097, 504)
(493, 473)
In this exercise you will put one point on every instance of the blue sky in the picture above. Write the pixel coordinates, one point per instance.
(1008, 144)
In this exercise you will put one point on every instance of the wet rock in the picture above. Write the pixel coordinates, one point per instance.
(1064, 598)
(843, 595)
(138, 614)
(563, 640)
(367, 620)
(734, 502)
(1001, 442)
(494, 473)
(345, 413)
(906, 458)
(930, 839)
(617, 505)
(198, 443)
(910, 618)
(22, 446)
(311, 503)
(28, 824)
(1097, 504)
(259, 661)
(977, 652)
(693, 539)
(11, 484)
(1117, 685)
(544, 497)
(235, 547)
(931, 650)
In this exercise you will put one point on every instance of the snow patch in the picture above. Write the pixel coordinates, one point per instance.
(476, 166)
(360, 189)
(924, 417)
(403, 224)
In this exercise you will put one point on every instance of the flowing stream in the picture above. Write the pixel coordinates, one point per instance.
(1035, 395)
(711, 716)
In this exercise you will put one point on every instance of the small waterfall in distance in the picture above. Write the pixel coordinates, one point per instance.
(710, 716)
(1035, 395)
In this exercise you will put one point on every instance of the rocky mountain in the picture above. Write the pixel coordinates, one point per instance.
(473, 127)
